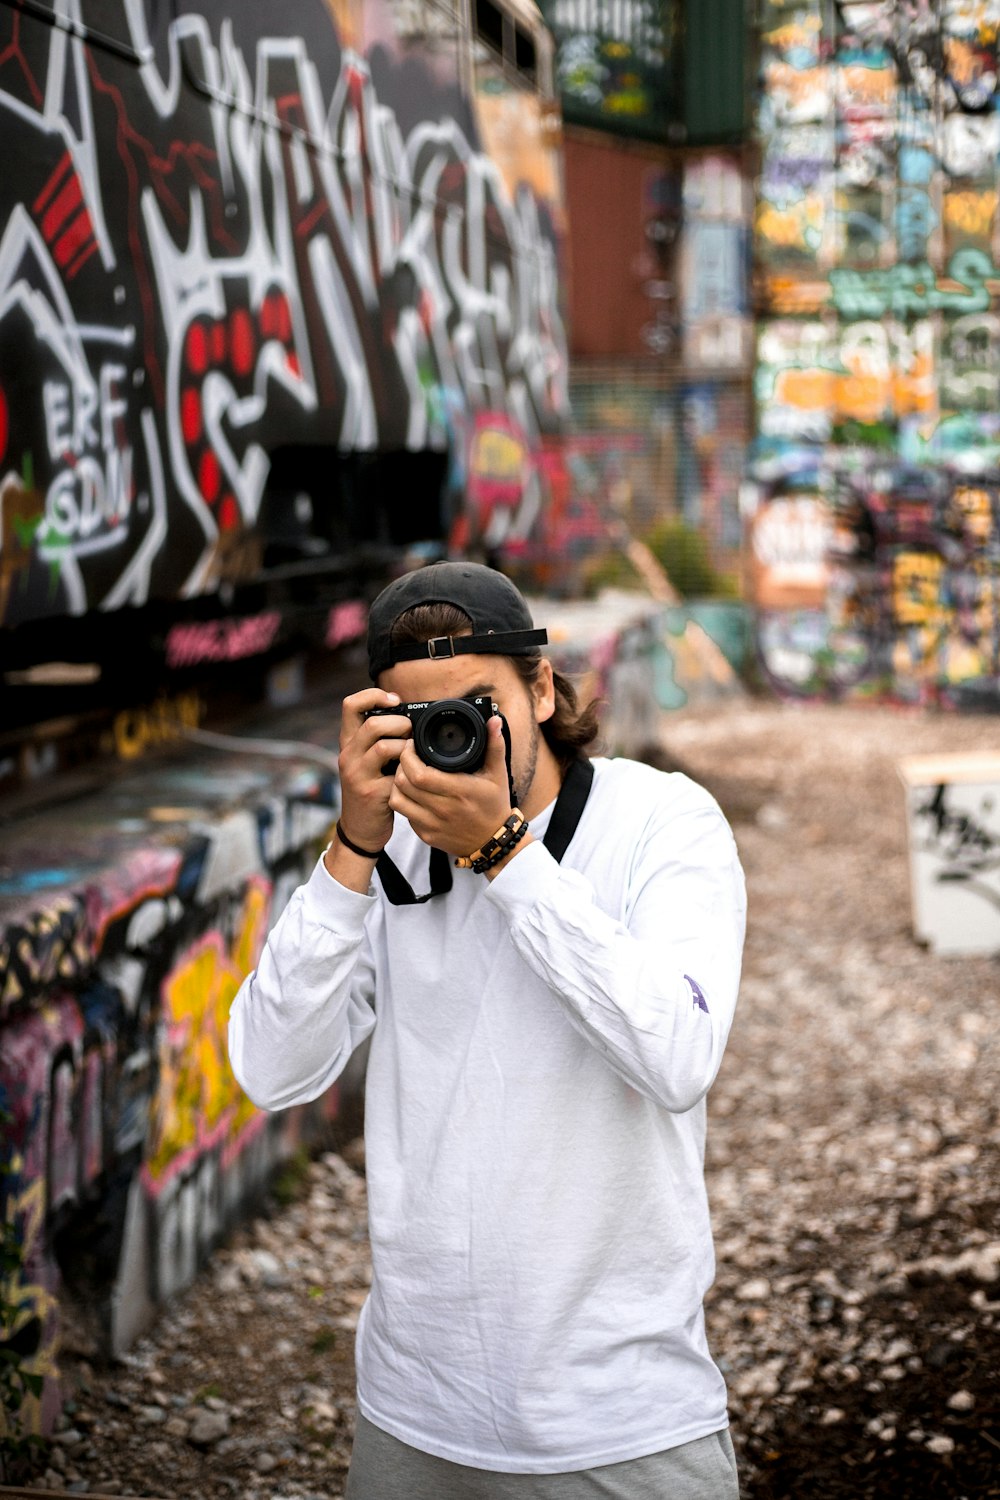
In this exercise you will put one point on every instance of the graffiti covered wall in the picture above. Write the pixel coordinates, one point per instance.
(877, 247)
(616, 64)
(222, 237)
(127, 922)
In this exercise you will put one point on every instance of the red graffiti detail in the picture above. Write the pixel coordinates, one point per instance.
(85, 254)
(59, 172)
(75, 237)
(218, 343)
(191, 415)
(209, 476)
(13, 53)
(284, 314)
(67, 200)
(197, 349)
(292, 361)
(276, 317)
(229, 513)
(241, 341)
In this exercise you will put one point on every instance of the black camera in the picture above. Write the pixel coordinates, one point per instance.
(449, 734)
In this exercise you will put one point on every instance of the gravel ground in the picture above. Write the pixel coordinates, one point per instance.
(853, 1167)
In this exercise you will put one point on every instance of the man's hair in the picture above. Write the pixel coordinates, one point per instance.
(570, 730)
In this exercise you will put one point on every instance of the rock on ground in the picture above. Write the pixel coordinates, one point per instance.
(853, 1168)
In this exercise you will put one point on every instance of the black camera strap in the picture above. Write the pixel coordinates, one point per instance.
(399, 891)
(569, 807)
(566, 815)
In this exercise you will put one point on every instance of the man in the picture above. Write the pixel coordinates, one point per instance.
(545, 1022)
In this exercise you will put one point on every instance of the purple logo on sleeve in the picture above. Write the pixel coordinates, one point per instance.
(699, 998)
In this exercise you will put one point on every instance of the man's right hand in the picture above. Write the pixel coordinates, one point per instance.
(366, 745)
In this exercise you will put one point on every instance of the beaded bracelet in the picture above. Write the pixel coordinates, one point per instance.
(510, 832)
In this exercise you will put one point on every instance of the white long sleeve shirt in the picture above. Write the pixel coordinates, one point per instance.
(541, 1047)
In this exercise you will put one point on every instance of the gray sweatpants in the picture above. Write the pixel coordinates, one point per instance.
(383, 1468)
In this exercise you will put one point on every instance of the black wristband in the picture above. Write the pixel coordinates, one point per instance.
(356, 848)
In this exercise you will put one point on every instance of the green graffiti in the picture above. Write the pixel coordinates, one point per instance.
(28, 471)
(915, 289)
(24, 530)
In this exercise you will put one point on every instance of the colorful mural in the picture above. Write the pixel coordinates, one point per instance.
(615, 63)
(881, 583)
(223, 238)
(877, 252)
(127, 922)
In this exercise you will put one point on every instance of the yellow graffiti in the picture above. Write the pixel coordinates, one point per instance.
(970, 17)
(973, 505)
(197, 1095)
(939, 655)
(916, 590)
(496, 455)
(971, 213)
(136, 730)
(33, 1303)
(801, 33)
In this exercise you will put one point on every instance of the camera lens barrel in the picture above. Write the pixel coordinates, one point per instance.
(451, 735)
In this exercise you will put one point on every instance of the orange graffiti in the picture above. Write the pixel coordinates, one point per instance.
(914, 391)
(970, 213)
(806, 390)
(799, 226)
(868, 88)
(965, 65)
(863, 397)
(521, 134)
(798, 88)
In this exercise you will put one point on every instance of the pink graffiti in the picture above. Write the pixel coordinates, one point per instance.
(345, 622)
(222, 640)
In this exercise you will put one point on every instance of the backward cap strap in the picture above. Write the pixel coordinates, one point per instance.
(506, 643)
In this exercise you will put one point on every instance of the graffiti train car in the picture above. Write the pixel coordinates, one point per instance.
(276, 281)
(278, 296)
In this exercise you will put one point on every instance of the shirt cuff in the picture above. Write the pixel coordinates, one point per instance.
(332, 905)
(524, 880)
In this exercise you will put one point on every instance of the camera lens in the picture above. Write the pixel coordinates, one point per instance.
(451, 736)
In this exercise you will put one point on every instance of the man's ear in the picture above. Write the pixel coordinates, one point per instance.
(543, 691)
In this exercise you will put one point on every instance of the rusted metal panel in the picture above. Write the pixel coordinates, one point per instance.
(622, 205)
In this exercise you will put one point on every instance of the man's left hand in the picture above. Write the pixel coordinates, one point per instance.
(448, 809)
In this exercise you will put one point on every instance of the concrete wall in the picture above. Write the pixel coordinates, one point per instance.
(128, 918)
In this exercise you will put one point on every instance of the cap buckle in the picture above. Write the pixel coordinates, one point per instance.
(446, 641)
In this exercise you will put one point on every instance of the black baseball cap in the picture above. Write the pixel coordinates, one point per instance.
(501, 621)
